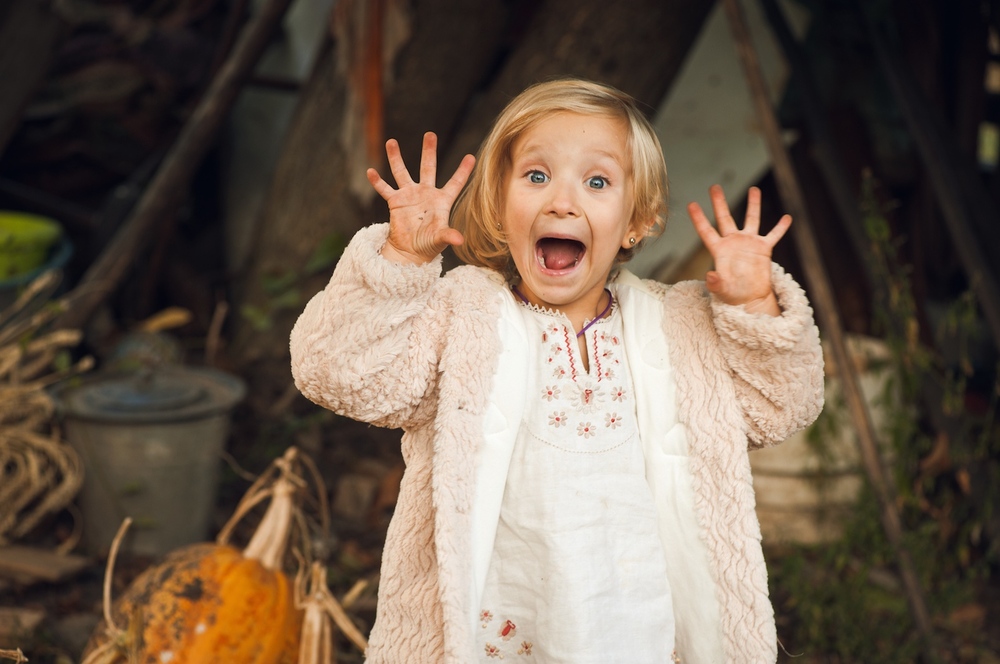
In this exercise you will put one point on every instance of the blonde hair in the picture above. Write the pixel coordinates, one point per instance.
(479, 209)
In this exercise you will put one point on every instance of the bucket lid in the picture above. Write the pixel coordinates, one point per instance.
(164, 394)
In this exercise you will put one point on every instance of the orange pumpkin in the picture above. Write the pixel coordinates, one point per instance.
(212, 602)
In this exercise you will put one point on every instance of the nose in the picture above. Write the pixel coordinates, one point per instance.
(563, 199)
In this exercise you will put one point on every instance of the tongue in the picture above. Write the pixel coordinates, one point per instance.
(559, 254)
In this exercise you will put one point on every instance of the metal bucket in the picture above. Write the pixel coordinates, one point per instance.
(151, 444)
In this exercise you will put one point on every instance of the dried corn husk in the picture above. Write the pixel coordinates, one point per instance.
(39, 473)
(322, 612)
(15, 655)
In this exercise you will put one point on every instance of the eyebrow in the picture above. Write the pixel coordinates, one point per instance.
(529, 151)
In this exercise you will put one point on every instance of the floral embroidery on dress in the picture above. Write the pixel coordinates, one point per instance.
(507, 630)
(674, 658)
(587, 400)
(584, 407)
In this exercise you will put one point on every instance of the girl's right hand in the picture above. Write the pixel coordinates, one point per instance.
(419, 211)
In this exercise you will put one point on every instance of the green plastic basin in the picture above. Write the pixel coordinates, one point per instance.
(25, 242)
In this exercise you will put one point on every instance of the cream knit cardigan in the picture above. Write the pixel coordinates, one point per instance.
(402, 346)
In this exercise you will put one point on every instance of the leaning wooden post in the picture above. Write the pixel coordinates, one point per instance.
(834, 174)
(167, 187)
(821, 295)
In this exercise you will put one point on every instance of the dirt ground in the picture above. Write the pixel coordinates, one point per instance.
(362, 466)
(73, 613)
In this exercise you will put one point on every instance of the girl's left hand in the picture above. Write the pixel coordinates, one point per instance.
(742, 274)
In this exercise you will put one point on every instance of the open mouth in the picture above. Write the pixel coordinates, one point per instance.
(559, 253)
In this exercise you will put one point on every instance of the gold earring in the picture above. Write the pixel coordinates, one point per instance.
(631, 241)
(499, 227)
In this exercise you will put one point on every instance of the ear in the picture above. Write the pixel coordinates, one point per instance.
(637, 231)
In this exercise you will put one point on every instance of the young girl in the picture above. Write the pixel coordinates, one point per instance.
(577, 486)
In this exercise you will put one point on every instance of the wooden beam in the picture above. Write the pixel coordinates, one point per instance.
(29, 562)
(828, 159)
(168, 185)
(821, 295)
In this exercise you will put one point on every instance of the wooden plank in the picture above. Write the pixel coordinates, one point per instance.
(28, 31)
(18, 623)
(32, 562)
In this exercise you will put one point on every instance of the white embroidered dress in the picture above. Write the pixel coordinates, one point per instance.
(578, 573)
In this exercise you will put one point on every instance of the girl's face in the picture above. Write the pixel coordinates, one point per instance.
(567, 210)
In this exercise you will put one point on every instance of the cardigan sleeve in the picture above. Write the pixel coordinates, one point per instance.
(777, 362)
(367, 345)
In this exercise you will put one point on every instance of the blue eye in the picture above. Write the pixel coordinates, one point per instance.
(537, 177)
(597, 182)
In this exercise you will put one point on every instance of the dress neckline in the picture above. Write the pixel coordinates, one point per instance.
(546, 310)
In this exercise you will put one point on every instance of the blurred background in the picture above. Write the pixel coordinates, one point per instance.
(193, 168)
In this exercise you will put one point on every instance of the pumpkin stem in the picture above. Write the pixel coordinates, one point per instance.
(271, 537)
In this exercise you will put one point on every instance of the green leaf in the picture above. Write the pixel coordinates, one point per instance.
(326, 254)
(277, 283)
(258, 318)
